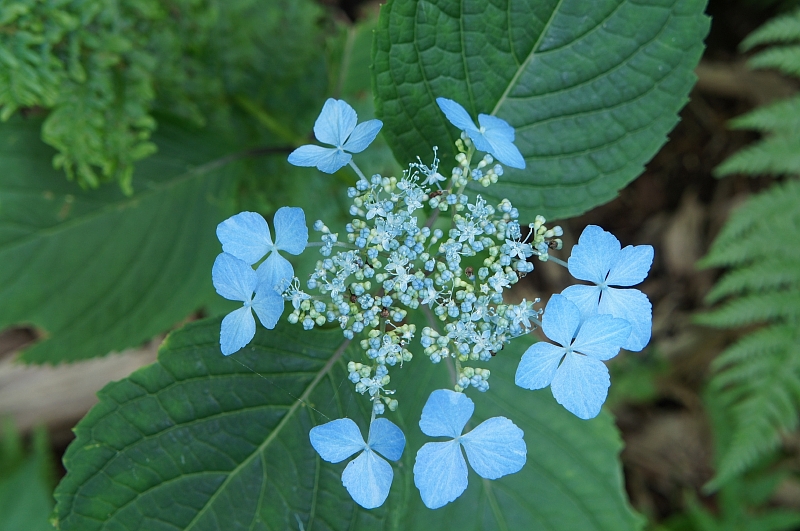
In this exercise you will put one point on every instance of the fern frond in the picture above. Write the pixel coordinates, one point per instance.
(761, 384)
(753, 309)
(778, 117)
(101, 68)
(758, 378)
(30, 73)
(767, 225)
(778, 153)
(748, 357)
(769, 274)
(784, 28)
(775, 155)
(785, 59)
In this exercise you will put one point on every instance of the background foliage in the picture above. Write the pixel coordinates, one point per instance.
(26, 478)
(757, 378)
(191, 107)
(103, 67)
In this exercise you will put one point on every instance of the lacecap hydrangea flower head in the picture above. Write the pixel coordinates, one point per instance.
(417, 242)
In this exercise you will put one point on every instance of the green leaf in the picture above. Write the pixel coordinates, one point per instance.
(592, 88)
(200, 441)
(25, 483)
(100, 271)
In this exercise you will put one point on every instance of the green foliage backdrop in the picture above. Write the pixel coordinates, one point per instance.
(99, 271)
(758, 378)
(184, 105)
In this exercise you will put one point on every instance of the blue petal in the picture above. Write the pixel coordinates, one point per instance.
(273, 272)
(335, 123)
(480, 141)
(291, 231)
(328, 160)
(586, 298)
(495, 448)
(238, 329)
(457, 115)
(309, 155)
(561, 320)
(368, 479)
(386, 439)
(591, 259)
(233, 278)
(440, 473)
(268, 305)
(496, 128)
(362, 136)
(446, 413)
(245, 236)
(500, 137)
(337, 440)
(334, 162)
(581, 385)
(538, 365)
(601, 336)
(633, 306)
(631, 266)
(505, 152)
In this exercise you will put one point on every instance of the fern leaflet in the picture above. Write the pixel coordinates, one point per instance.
(758, 378)
(780, 29)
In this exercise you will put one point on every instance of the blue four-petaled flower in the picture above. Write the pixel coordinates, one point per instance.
(598, 258)
(574, 369)
(336, 125)
(494, 135)
(368, 477)
(494, 448)
(247, 237)
(235, 280)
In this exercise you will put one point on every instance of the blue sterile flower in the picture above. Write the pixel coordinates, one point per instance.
(494, 448)
(574, 370)
(247, 237)
(336, 125)
(598, 258)
(367, 477)
(494, 136)
(235, 280)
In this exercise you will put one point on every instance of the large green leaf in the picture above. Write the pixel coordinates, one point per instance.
(98, 271)
(200, 441)
(592, 88)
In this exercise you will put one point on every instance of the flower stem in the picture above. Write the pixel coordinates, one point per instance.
(358, 171)
(335, 244)
(557, 261)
